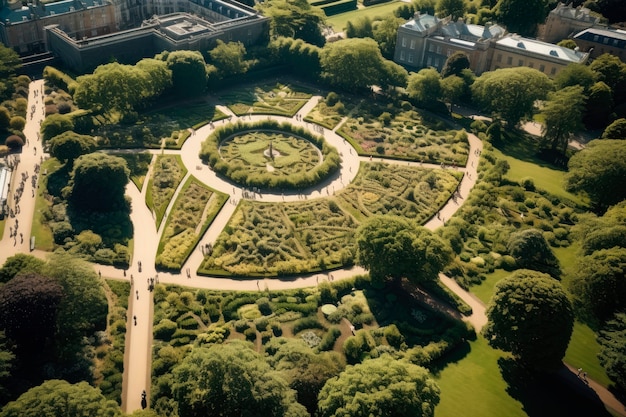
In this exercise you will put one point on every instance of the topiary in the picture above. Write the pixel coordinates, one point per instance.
(14, 142)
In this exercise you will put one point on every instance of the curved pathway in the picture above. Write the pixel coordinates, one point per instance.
(137, 360)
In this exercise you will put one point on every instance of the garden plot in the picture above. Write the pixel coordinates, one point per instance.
(328, 112)
(279, 99)
(167, 174)
(405, 133)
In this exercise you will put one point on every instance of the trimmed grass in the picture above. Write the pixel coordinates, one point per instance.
(582, 352)
(43, 235)
(168, 172)
(484, 291)
(473, 386)
(138, 164)
(340, 21)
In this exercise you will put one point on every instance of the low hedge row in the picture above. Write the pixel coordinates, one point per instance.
(238, 173)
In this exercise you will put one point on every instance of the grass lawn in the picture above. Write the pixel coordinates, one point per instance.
(484, 291)
(544, 176)
(339, 21)
(473, 386)
(582, 352)
(43, 235)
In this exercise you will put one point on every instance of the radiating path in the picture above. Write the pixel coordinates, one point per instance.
(137, 359)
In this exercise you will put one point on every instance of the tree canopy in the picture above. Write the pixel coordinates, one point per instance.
(380, 387)
(356, 64)
(9, 64)
(616, 130)
(69, 145)
(522, 16)
(88, 191)
(613, 350)
(599, 282)
(231, 380)
(393, 248)
(189, 75)
(531, 317)
(511, 93)
(575, 74)
(55, 124)
(19, 263)
(229, 58)
(453, 8)
(386, 33)
(531, 251)
(425, 86)
(562, 114)
(56, 398)
(455, 64)
(599, 170)
(295, 19)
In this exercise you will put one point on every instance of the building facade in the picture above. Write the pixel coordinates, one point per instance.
(427, 41)
(598, 41)
(564, 21)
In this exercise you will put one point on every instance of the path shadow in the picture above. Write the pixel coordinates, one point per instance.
(550, 394)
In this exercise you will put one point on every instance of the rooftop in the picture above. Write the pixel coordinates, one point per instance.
(541, 48)
(588, 34)
(32, 11)
(421, 22)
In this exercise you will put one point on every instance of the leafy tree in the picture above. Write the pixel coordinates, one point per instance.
(386, 33)
(353, 64)
(56, 398)
(599, 282)
(360, 28)
(295, 19)
(392, 247)
(563, 116)
(610, 70)
(9, 64)
(599, 170)
(455, 64)
(453, 8)
(613, 235)
(380, 387)
(55, 124)
(69, 145)
(613, 10)
(425, 86)
(616, 130)
(29, 304)
(7, 361)
(453, 89)
(189, 76)
(568, 43)
(531, 251)
(305, 371)
(599, 105)
(5, 118)
(575, 74)
(522, 16)
(392, 75)
(613, 350)
(510, 93)
(229, 58)
(157, 77)
(231, 380)
(531, 317)
(302, 57)
(19, 263)
(17, 123)
(87, 190)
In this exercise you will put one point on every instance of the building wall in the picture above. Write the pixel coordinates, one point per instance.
(596, 49)
(505, 58)
(563, 21)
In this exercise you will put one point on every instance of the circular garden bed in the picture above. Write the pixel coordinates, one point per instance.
(270, 155)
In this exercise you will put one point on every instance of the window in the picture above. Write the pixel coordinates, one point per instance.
(553, 71)
(499, 58)
(605, 41)
(403, 42)
(614, 42)
(429, 61)
(439, 49)
(531, 65)
(436, 62)
(595, 38)
(412, 43)
(410, 57)
(520, 63)
(542, 68)
(449, 53)
(509, 60)
(431, 48)
(401, 55)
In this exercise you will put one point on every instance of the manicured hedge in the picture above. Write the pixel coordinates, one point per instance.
(238, 173)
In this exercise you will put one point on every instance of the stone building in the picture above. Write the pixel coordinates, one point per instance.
(427, 41)
(598, 41)
(22, 27)
(564, 21)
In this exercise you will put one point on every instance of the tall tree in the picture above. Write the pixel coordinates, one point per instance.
(392, 247)
(522, 16)
(56, 398)
(613, 350)
(55, 124)
(380, 387)
(599, 170)
(87, 190)
(68, 146)
(189, 76)
(453, 8)
(562, 114)
(229, 58)
(386, 34)
(455, 64)
(531, 251)
(231, 380)
(599, 282)
(511, 93)
(9, 64)
(531, 317)
(453, 89)
(425, 86)
(616, 130)
(360, 28)
(575, 74)
(599, 105)
(295, 19)
(19, 263)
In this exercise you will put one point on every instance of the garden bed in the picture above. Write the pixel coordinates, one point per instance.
(167, 173)
(277, 99)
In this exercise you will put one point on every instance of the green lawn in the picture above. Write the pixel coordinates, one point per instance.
(484, 291)
(43, 235)
(339, 21)
(473, 386)
(582, 352)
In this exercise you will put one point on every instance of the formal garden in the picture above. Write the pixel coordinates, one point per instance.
(280, 99)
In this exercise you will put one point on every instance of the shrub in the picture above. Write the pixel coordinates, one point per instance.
(329, 339)
(264, 306)
(393, 336)
(261, 323)
(250, 334)
(306, 323)
(241, 325)
(14, 142)
(165, 330)
(528, 184)
(332, 98)
(17, 123)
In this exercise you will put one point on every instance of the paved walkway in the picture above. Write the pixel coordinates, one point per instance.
(137, 363)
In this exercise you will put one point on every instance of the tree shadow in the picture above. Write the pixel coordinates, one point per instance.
(519, 145)
(553, 394)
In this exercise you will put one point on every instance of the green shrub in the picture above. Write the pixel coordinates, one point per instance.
(261, 323)
(393, 336)
(264, 306)
(329, 339)
(241, 325)
(306, 323)
(250, 334)
(165, 329)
